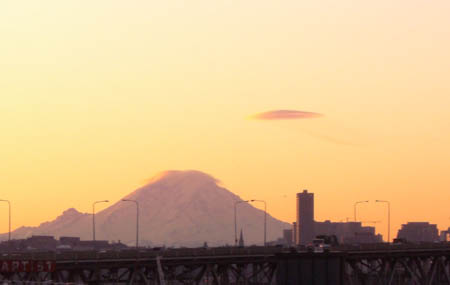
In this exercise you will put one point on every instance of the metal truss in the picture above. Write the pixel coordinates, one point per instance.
(376, 267)
(219, 271)
(398, 268)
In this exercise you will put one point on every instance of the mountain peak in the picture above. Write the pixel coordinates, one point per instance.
(71, 212)
(177, 175)
(175, 183)
(176, 208)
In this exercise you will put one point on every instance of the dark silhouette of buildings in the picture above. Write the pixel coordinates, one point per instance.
(70, 241)
(305, 217)
(305, 229)
(445, 235)
(294, 233)
(349, 232)
(287, 236)
(49, 243)
(418, 232)
(41, 242)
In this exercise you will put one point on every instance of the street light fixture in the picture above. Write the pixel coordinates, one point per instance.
(354, 208)
(137, 219)
(9, 218)
(265, 218)
(235, 226)
(93, 217)
(389, 217)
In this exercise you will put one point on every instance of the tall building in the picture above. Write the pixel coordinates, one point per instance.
(305, 217)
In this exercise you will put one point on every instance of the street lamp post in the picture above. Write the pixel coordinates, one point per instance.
(265, 218)
(354, 208)
(9, 218)
(389, 217)
(93, 217)
(235, 223)
(137, 219)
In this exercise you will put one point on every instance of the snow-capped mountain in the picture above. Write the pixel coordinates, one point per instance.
(176, 208)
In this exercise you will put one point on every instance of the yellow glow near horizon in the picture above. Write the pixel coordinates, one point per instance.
(98, 96)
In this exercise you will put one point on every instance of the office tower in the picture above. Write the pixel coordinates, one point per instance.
(305, 217)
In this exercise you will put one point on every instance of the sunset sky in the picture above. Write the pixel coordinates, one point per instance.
(99, 96)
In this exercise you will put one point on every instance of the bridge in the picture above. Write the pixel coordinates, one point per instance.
(380, 264)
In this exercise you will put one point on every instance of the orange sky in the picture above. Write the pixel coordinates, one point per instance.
(98, 96)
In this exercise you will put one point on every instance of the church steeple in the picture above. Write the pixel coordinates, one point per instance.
(241, 239)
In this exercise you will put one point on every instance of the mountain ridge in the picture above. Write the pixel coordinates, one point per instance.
(177, 208)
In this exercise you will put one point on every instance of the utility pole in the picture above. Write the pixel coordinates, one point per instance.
(9, 218)
(389, 217)
(137, 220)
(93, 218)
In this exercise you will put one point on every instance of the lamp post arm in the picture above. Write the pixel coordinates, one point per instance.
(354, 208)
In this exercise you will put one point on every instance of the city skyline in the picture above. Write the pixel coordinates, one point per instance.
(349, 100)
(198, 186)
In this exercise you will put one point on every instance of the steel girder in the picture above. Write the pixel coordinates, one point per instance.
(356, 267)
(398, 269)
(231, 271)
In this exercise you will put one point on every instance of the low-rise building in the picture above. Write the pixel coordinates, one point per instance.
(418, 232)
(287, 236)
(348, 232)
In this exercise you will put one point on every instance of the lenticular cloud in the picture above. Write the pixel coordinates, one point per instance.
(285, 115)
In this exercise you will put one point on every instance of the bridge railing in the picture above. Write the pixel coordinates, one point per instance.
(141, 253)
